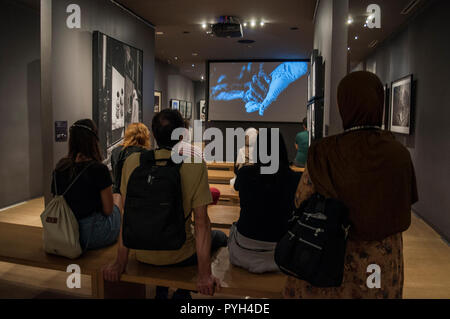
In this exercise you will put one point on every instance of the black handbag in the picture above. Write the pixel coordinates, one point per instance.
(313, 249)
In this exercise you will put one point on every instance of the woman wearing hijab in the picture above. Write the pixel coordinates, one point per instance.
(373, 175)
(266, 201)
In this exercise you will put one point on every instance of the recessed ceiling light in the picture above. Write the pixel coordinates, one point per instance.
(262, 23)
(202, 77)
(204, 25)
(253, 23)
(159, 33)
(176, 58)
(194, 54)
(245, 24)
(350, 20)
(348, 48)
(356, 37)
(193, 65)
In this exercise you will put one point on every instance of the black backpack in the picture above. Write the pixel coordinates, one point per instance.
(154, 216)
(313, 250)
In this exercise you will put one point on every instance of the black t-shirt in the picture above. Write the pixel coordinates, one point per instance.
(267, 202)
(84, 197)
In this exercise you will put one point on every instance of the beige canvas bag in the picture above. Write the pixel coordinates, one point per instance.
(61, 234)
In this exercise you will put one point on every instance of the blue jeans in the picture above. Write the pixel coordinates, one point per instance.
(99, 231)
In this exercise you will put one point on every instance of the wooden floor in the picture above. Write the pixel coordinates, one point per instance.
(427, 264)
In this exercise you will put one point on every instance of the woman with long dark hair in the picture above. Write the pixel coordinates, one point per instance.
(266, 204)
(87, 185)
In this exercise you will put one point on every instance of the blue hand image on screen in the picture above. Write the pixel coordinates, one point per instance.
(255, 87)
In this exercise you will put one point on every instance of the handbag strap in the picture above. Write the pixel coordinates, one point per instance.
(72, 183)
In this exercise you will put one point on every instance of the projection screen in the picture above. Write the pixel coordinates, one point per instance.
(258, 91)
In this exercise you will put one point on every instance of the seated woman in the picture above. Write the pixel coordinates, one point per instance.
(266, 206)
(373, 175)
(89, 191)
(245, 155)
(137, 139)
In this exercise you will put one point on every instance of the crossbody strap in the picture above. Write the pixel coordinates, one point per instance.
(73, 182)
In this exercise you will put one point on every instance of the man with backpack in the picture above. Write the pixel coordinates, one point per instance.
(159, 199)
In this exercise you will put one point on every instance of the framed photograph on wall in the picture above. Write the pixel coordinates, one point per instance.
(188, 110)
(386, 109)
(117, 90)
(401, 99)
(203, 110)
(175, 105)
(158, 101)
(183, 108)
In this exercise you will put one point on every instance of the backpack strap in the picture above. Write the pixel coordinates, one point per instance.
(75, 179)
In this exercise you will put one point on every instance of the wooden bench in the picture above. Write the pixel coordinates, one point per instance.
(220, 176)
(235, 281)
(23, 245)
(223, 216)
(297, 169)
(227, 192)
(227, 166)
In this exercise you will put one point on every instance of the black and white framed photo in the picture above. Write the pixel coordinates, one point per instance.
(188, 110)
(175, 104)
(183, 108)
(386, 109)
(401, 98)
(117, 90)
(158, 101)
(203, 110)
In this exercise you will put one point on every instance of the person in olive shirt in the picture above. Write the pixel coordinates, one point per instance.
(302, 145)
(200, 240)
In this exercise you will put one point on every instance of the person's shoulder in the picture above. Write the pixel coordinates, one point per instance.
(132, 159)
(97, 166)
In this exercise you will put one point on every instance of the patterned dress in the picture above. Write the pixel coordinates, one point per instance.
(388, 254)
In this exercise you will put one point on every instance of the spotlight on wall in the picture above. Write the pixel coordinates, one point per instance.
(245, 24)
(262, 23)
(204, 25)
(356, 37)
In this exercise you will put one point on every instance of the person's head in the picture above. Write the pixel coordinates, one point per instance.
(361, 100)
(305, 123)
(83, 141)
(163, 124)
(251, 135)
(137, 134)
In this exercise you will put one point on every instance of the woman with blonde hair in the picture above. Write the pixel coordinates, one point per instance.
(137, 139)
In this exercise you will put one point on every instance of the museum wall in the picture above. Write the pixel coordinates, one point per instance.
(20, 127)
(172, 84)
(422, 49)
(330, 38)
(71, 63)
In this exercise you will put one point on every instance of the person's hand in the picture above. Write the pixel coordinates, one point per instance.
(113, 271)
(208, 284)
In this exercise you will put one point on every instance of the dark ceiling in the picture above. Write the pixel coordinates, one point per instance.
(391, 20)
(275, 40)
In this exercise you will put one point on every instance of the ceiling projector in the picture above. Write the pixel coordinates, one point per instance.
(228, 27)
